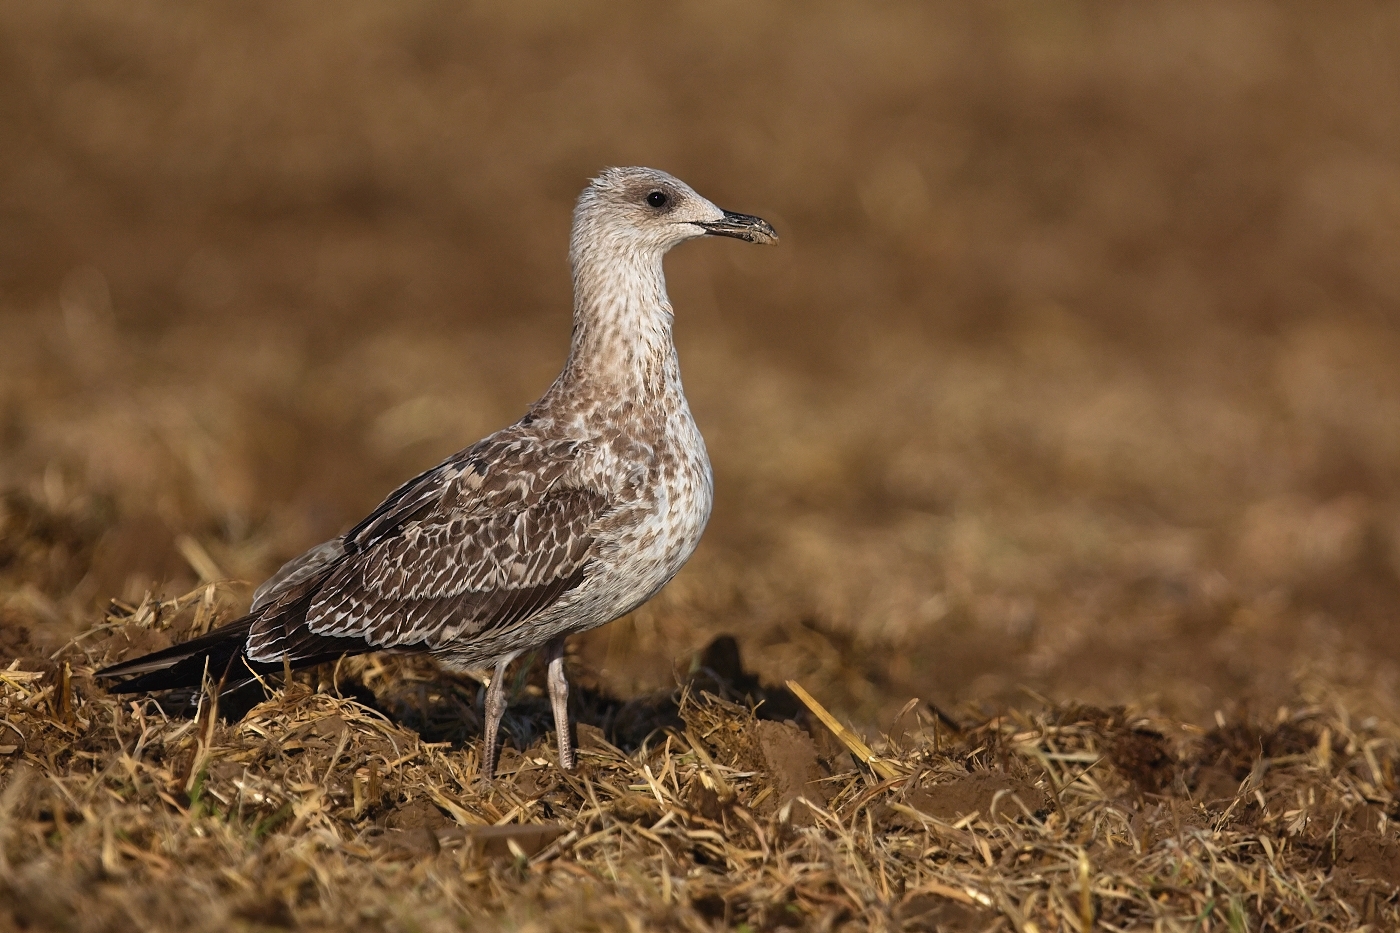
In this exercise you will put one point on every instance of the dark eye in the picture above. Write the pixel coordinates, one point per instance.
(657, 199)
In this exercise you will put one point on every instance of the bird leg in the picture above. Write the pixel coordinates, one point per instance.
(559, 701)
(495, 709)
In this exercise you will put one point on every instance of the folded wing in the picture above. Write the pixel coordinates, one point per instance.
(445, 578)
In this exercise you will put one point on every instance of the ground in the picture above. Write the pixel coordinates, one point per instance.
(1055, 449)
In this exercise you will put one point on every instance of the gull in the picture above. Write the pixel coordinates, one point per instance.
(564, 521)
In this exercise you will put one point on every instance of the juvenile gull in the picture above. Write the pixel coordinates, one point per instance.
(573, 516)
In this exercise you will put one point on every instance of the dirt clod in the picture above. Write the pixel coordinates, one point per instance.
(1367, 857)
(1144, 758)
(508, 841)
(790, 758)
(1236, 748)
(416, 814)
(928, 913)
(396, 844)
(990, 794)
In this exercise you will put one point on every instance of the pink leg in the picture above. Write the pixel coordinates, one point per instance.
(559, 701)
(495, 709)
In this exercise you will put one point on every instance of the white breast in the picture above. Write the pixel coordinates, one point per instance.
(680, 501)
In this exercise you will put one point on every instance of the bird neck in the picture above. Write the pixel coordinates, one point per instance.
(622, 340)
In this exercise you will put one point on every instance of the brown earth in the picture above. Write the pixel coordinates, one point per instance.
(1071, 394)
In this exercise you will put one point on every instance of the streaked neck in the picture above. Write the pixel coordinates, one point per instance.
(622, 339)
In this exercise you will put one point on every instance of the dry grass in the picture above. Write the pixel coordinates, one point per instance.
(318, 811)
(1067, 405)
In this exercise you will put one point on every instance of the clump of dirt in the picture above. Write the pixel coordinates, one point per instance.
(990, 794)
(1231, 753)
(932, 913)
(1144, 758)
(797, 765)
(1367, 857)
(791, 761)
(415, 814)
(1236, 748)
(1140, 753)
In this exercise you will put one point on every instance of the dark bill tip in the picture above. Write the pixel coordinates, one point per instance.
(743, 227)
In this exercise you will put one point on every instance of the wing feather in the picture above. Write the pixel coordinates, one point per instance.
(461, 577)
(488, 539)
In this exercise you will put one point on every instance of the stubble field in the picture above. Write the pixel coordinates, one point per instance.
(1068, 405)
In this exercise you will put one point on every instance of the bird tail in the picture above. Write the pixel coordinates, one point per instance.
(219, 653)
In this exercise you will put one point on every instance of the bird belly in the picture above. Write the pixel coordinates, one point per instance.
(643, 556)
(659, 550)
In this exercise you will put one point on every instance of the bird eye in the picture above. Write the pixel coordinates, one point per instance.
(657, 199)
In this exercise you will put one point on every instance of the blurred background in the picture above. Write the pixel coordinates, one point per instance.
(1077, 370)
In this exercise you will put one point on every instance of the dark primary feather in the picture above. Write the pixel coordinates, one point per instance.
(219, 654)
(222, 654)
(212, 646)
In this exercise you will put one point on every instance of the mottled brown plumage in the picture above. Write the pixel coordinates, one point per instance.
(573, 516)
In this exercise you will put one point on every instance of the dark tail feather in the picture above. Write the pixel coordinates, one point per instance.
(220, 653)
(184, 665)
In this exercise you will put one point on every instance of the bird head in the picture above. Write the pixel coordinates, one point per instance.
(647, 209)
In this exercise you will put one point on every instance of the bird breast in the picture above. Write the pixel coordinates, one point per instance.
(667, 501)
